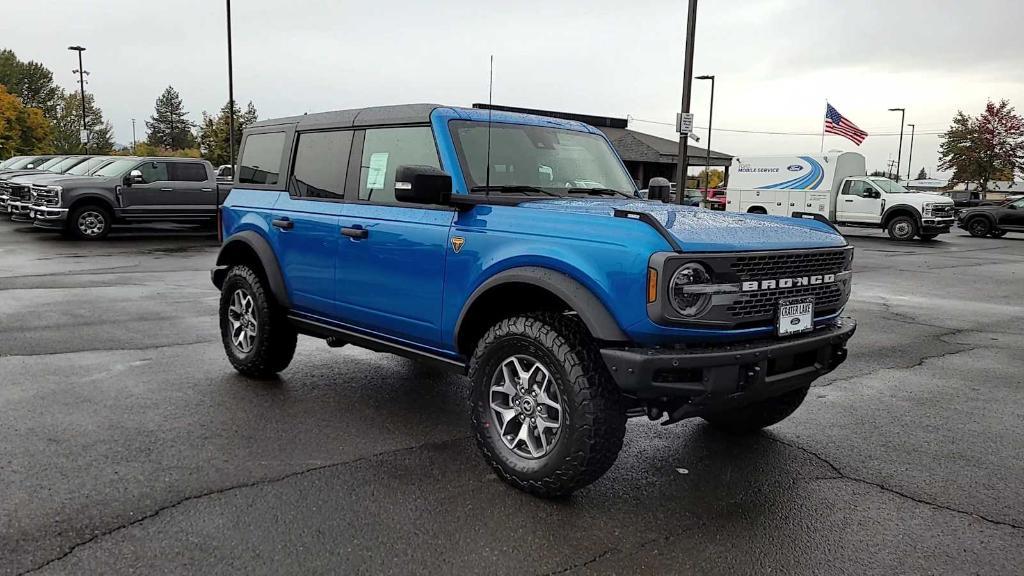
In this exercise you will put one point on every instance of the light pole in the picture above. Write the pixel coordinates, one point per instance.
(707, 157)
(899, 152)
(134, 143)
(910, 155)
(231, 98)
(81, 86)
(682, 162)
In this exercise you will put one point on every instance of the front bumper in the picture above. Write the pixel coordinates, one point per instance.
(936, 225)
(717, 376)
(19, 210)
(48, 217)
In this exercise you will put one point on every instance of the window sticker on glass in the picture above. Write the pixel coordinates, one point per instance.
(378, 171)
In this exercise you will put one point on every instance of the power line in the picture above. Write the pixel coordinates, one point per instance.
(777, 133)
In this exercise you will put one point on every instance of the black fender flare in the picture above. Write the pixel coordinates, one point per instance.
(887, 214)
(94, 196)
(967, 216)
(263, 251)
(589, 308)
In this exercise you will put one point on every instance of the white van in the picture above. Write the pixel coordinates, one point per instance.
(835, 185)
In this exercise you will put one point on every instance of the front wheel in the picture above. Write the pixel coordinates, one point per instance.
(547, 416)
(979, 227)
(257, 337)
(753, 417)
(902, 228)
(89, 222)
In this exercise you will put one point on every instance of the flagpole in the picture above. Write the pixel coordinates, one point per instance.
(823, 128)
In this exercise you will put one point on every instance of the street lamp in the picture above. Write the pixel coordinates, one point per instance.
(81, 86)
(707, 157)
(899, 152)
(231, 98)
(910, 155)
(682, 163)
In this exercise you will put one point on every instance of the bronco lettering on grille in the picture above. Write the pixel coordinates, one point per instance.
(788, 282)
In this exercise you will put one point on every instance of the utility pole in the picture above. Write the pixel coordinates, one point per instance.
(707, 156)
(682, 162)
(81, 86)
(134, 143)
(910, 155)
(899, 152)
(231, 98)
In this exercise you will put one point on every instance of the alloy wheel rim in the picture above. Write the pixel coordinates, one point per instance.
(526, 407)
(91, 223)
(242, 318)
(902, 229)
(978, 227)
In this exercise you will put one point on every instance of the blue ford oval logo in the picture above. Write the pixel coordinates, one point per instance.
(794, 168)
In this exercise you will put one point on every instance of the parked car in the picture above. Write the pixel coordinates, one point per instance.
(26, 163)
(716, 199)
(18, 189)
(129, 190)
(400, 229)
(225, 173)
(994, 221)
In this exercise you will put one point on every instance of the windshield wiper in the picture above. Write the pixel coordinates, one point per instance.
(597, 192)
(513, 189)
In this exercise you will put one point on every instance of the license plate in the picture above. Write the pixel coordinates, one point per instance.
(796, 316)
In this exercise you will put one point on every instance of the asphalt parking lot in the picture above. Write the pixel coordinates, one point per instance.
(129, 445)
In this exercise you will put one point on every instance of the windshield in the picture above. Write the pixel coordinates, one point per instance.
(87, 166)
(889, 187)
(117, 168)
(10, 161)
(50, 163)
(538, 159)
(23, 162)
(65, 164)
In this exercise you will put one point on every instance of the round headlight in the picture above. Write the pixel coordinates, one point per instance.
(685, 302)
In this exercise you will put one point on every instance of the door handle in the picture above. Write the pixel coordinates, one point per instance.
(283, 224)
(355, 233)
(847, 200)
(167, 189)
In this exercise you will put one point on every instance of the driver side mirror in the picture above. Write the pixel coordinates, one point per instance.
(134, 177)
(422, 185)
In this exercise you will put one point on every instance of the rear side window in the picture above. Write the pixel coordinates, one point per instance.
(384, 150)
(261, 159)
(321, 160)
(187, 172)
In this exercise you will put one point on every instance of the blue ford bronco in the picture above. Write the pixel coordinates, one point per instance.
(516, 249)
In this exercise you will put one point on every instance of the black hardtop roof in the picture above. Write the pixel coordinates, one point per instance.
(374, 116)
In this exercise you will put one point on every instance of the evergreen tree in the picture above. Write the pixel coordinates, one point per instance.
(168, 127)
(68, 125)
(213, 133)
(922, 175)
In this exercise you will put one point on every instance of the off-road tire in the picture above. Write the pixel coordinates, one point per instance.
(275, 340)
(753, 417)
(902, 228)
(979, 227)
(928, 237)
(73, 229)
(997, 233)
(594, 420)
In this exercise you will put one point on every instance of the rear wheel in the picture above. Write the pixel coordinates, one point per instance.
(89, 222)
(902, 228)
(754, 417)
(547, 416)
(979, 227)
(257, 337)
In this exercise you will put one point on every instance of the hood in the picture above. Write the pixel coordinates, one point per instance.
(47, 179)
(14, 173)
(921, 198)
(702, 230)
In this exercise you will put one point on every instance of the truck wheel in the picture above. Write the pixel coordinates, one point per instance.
(257, 337)
(979, 227)
(753, 417)
(89, 222)
(997, 233)
(902, 228)
(928, 237)
(548, 417)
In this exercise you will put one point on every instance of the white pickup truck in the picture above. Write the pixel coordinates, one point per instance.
(835, 186)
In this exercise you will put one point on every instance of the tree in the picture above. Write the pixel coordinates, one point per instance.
(979, 150)
(879, 173)
(68, 126)
(213, 133)
(717, 177)
(32, 82)
(168, 127)
(23, 130)
(922, 175)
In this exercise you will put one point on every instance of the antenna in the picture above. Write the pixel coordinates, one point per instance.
(490, 108)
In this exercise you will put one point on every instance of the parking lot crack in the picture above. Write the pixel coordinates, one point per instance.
(227, 489)
(920, 362)
(847, 477)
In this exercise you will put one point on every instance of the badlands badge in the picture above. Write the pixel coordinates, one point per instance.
(457, 243)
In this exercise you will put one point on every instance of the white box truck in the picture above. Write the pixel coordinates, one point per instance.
(836, 186)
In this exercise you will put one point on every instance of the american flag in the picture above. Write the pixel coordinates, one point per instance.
(836, 124)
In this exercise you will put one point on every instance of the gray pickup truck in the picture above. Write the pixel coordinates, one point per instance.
(129, 190)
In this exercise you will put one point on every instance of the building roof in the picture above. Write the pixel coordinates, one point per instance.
(1007, 186)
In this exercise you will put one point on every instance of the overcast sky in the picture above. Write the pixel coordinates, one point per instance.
(776, 61)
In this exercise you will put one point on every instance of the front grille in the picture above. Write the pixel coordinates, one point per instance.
(788, 265)
(764, 303)
(944, 211)
(20, 192)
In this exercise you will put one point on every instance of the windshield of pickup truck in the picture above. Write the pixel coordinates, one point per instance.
(64, 165)
(49, 164)
(87, 166)
(889, 187)
(23, 162)
(117, 168)
(538, 160)
(10, 161)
